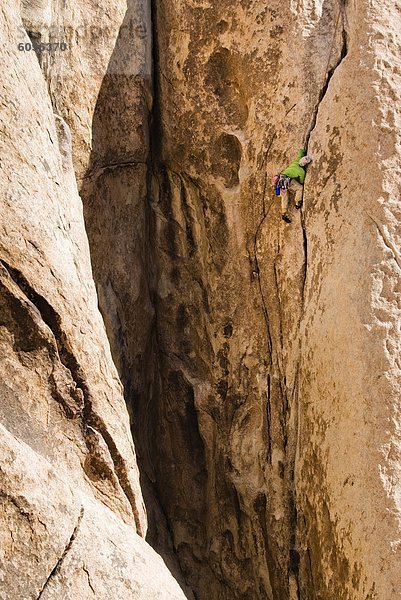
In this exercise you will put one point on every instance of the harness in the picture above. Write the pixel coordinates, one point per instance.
(283, 181)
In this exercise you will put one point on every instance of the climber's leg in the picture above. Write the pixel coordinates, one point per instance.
(297, 188)
(284, 202)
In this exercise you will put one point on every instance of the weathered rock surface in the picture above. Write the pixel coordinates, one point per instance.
(349, 461)
(246, 438)
(229, 286)
(260, 360)
(71, 506)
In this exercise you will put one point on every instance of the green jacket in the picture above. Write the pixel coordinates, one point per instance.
(294, 170)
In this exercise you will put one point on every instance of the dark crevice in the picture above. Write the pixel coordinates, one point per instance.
(155, 117)
(310, 569)
(265, 312)
(254, 259)
(72, 411)
(283, 411)
(144, 440)
(331, 71)
(121, 469)
(291, 451)
(36, 40)
(279, 303)
(269, 418)
(49, 316)
(60, 561)
(89, 580)
(69, 361)
(294, 553)
(305, 263)
(53, 321)
(97, 171)
(161, 524)
(28, 337)
(265, 171)
(256, 275)
(172, 558)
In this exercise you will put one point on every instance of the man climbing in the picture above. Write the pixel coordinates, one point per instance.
(293, 182)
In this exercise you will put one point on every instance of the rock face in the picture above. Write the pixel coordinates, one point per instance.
(72, 513)
(229, 286)
(248, 433)
(260, 360)
(348, 460)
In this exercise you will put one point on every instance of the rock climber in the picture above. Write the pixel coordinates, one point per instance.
(293, 180)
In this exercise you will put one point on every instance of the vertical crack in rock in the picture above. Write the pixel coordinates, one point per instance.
(89, 580)
(47, 315)
(294, 553)
(305, 251)
(269, 419)
(294, 556)
(256, 269)
(387, 242)
(330, 71)
(70, 362)
(155, 115)
(277, 411)
(310, 570)
(158, 519)
(60, 561)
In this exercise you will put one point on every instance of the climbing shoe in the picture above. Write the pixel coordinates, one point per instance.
(298, 205)
(286, 218)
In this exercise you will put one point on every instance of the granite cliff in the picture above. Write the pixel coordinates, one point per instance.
(156, 310)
